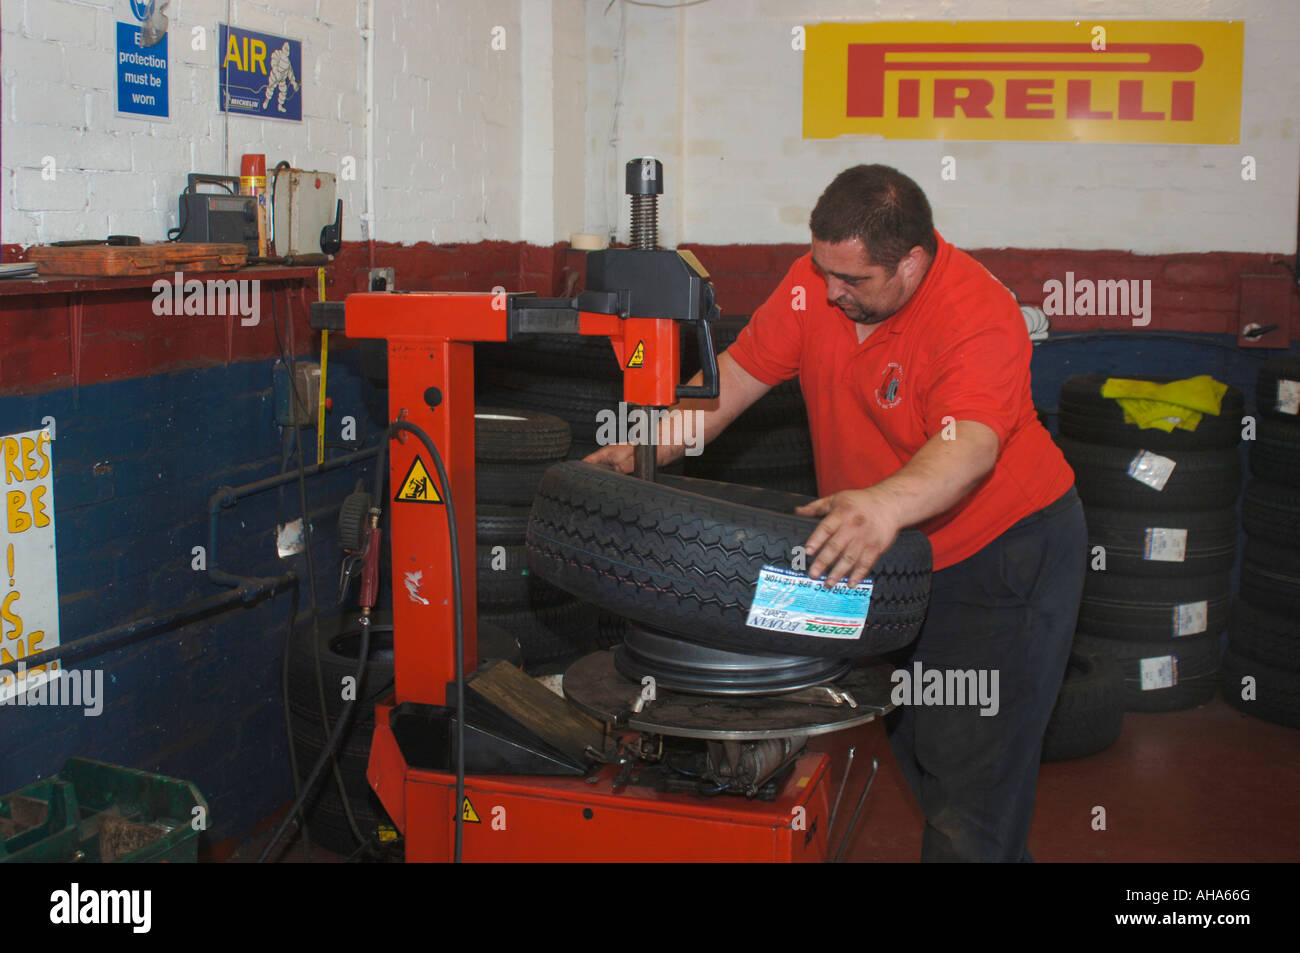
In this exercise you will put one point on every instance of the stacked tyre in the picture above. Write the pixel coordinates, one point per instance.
(1089, 712)
(514, 448)
(767, 446)
(1162, 534)
(338, 641)
(577, 379)
(1261, 667)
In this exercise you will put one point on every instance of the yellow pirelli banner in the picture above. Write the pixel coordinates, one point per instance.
(1090, 81)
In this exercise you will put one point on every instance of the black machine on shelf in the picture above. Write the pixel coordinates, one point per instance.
(217, 216)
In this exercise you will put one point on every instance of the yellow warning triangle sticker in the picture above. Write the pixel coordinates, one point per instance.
(418, 487)
(468, 814)
(638, 356)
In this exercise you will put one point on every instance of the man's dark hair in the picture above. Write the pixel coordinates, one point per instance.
(880, 206)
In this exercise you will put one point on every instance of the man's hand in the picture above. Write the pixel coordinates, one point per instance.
(858, 526)
(619, 457)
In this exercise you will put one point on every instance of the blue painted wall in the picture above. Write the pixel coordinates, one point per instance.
(135, 462)
(1134, 352)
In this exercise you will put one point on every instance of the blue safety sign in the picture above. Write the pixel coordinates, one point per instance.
(260, 74)
(141, 73)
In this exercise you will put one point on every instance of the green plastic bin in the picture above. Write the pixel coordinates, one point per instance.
(96, 812)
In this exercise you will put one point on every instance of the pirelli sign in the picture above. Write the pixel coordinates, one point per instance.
(1090, 81)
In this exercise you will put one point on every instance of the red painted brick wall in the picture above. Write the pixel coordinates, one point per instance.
(1189, 292)
(121, 338)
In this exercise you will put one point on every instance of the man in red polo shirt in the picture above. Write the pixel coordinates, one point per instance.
(914, 364)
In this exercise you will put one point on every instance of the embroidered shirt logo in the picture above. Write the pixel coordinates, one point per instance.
(889, 393)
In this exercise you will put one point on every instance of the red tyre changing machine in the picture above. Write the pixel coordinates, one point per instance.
(636, 297)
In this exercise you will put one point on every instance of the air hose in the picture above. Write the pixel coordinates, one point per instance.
(345, 717)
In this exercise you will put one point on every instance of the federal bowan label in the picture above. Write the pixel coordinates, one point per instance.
(1288, 397)
(1151, 469)
(1158, 672)
(1165, 545)
(1191, 618)
(789, 601)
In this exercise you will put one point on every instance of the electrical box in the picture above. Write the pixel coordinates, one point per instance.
(304, 204)
(302, 410)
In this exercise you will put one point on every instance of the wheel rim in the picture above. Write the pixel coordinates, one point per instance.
(682, 665)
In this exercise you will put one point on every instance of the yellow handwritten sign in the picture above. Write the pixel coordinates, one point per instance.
(1176, 81)
(29, 608)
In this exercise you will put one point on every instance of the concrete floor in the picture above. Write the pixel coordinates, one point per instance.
(1208, 784)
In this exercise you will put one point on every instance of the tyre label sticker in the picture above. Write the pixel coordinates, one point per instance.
(1288, 396)
(1151, 469)
(789, 601)
(1191, 618)
(1165, 545)
(1159, 672)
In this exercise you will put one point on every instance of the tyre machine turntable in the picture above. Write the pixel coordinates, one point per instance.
(545, 780)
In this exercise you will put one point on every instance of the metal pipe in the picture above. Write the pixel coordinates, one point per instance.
(246, 589)
(643, 457)
(110, 638)
(844, 780)
(857, 811)
(227, 496)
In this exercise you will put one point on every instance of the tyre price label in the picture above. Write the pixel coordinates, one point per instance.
(1158, 672)
(1288, 397)
(1165, 545)
(789, 601)
(1151, 469)
(1191, 618)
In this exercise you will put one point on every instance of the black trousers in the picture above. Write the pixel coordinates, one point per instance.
(1010, 609)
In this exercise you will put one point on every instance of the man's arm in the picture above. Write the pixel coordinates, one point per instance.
(737, 390)
(859, 525)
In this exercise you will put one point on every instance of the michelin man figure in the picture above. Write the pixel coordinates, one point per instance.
(280, 77)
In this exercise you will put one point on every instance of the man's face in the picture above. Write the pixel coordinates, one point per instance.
(866, 292)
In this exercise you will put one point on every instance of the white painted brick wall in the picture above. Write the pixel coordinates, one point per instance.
(447, 148)
(713, 90)
(739, 171)
(449, 129)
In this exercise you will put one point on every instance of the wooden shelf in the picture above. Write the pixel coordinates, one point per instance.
(92, 283)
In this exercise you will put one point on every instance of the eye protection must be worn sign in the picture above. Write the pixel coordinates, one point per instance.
(140, 74)
(29, 608)
(1174, 81)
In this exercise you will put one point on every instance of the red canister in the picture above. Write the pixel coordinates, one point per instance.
(252, 181)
